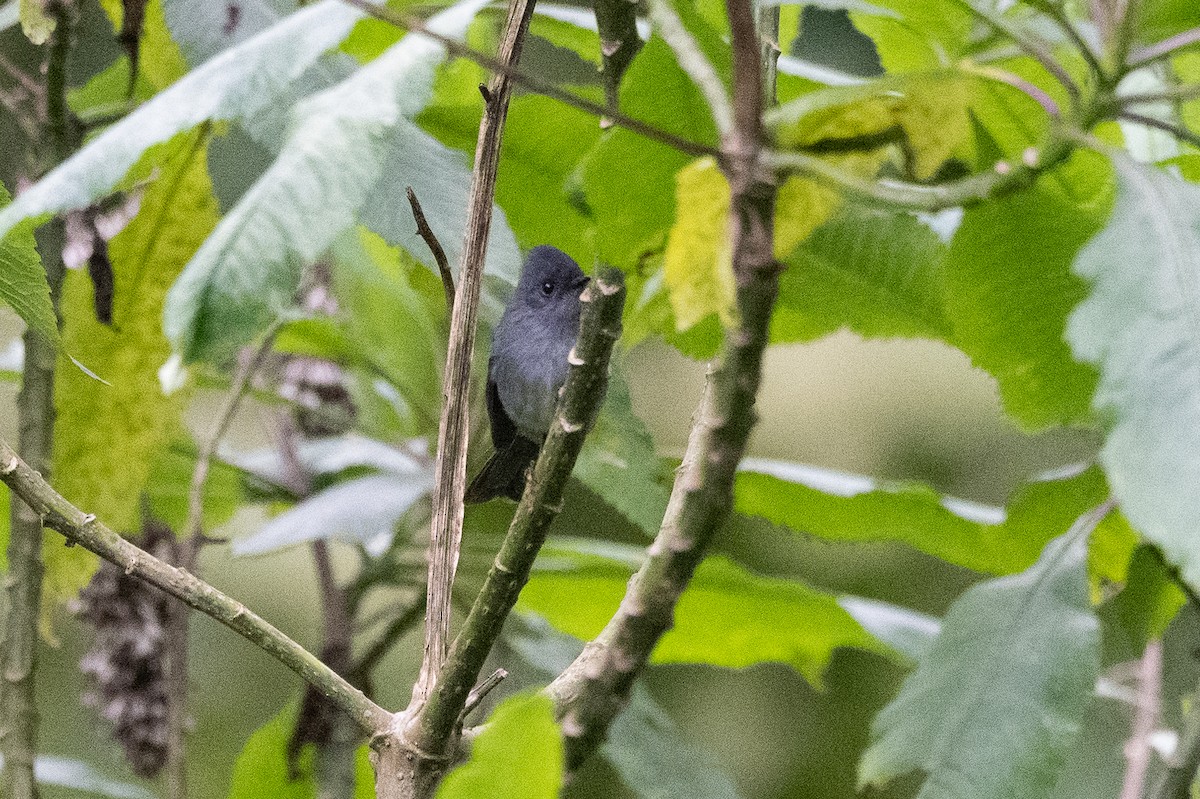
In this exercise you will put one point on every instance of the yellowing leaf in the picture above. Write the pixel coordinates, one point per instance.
(108, 435)
(923, 119)
(36, 24)
(161, 63)
(801, 207)
(698, 265)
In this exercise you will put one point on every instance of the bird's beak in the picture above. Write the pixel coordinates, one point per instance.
(581, 282)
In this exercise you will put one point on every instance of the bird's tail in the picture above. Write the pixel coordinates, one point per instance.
(505, 472)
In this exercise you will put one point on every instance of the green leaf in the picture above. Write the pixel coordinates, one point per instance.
(1138, 326)
(352, 150)
(619, 463)
(629, 181)
(929, 33)
(1145, 607)
(261, 769)
(168, 492)
(176, 212)
(23, 283)
(1008, 289)
(35, 22)
(374, 284)
(645, 746)
(241, 83)
(872, 271)
(79, 777)
(995, 705)
(519, 755)
(726, 617)
(842, 507)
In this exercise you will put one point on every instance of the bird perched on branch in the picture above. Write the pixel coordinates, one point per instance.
(527, 368)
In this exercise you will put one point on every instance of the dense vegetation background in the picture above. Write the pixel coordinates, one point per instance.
(909, 598)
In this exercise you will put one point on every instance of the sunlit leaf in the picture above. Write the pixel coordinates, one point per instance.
(875, 272)
(698, 266)
(128, 418)
(1008, 289)
(997, 701)
(1138, 327)
(927, 33)
(35, 22)
(842, 507)
(726, 617)
(262, 769)
(519, 755)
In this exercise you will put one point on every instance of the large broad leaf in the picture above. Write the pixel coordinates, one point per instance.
(128, 417)
(843, 507)
(1138, 326)
(352, 151)
(996, 703)
(927, 33)
(619, 463)
(1008, 289)
(79, 777)
(22, 278)
(519, 755)
(726, 617)
(238, 84)
(872, 271)
(644, 745)
(262, 768)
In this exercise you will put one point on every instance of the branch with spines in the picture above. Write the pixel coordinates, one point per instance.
(583, 392)
(595, 687)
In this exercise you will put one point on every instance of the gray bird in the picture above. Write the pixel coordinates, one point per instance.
(527, 368)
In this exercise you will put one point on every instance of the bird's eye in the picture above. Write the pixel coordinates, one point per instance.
(548, 288)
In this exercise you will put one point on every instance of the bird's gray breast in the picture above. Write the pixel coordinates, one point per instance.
(529, 365)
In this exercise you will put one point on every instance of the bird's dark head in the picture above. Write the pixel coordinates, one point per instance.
(550, 277)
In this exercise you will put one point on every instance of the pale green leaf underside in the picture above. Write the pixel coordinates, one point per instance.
(240, 83)
(352, 151)
(997, 701)
(1141, 326)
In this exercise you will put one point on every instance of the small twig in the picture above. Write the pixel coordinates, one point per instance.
(1145, 721)
(1035, 93)
(93, 535)
(233, 398)
(534, 84)
(1029, 43)
(1153, 52)
(693, 61)
(1052, 9)
(34, 88)
(1178, 131)
(482, 690)
(435, 246)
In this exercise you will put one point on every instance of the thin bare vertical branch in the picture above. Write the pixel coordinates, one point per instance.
(450, 479)
(1146, 712)
(35, 414)
(595, 687)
